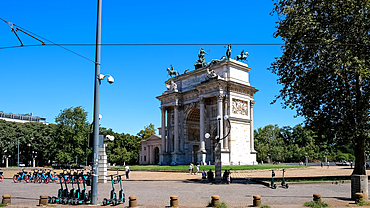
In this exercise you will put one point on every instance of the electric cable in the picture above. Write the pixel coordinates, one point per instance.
(46, 40)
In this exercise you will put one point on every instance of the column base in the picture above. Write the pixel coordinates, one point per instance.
(177, 158)
(165, 158)
(202, 157)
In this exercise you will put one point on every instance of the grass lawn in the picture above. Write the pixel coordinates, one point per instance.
(185, 168)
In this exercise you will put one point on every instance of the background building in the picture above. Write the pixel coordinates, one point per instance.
(21, 118)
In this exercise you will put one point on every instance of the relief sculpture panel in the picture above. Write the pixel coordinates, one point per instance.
(240, 107)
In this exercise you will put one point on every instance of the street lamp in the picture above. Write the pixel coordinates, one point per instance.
(218, 147)
(306, 159)
(18, 148)
(268, 158)
(98, 78)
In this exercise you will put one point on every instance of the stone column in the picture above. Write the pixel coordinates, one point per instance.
(226, 140)
(148, 154)
(251, 130)
(202, 148)
(220, 125)
(163, 130)
(169, 134)
(152, 154)
(219, 145)
(176, 129)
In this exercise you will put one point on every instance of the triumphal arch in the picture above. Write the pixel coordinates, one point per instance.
(191, 104)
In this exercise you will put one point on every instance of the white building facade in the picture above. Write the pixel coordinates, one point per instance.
(190, 107)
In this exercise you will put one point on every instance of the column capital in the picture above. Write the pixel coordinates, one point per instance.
(252, 103)
(201, 99)
(176, 107)
(221, 96)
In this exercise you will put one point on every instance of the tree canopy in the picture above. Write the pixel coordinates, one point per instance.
(293, 144)
(72, 134)
(324, 68)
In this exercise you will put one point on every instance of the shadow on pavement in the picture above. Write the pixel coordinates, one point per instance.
(205, 181)
(341, 198)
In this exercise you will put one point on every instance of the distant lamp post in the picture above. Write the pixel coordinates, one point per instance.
(306, 159)
(29, 151)
(218, 147)
(326, 158)
(18, 148)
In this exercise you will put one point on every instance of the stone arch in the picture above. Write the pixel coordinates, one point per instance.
(192, 124)
(193, 115)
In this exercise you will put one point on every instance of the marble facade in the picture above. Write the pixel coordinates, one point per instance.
(190, 107)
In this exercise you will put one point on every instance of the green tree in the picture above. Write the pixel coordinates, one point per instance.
(123, 149)
(34, 141)
(324, 68)
(146, 132)
(264, 140)
(71, 135)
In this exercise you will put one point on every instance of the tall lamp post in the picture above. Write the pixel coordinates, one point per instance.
(218, 147)
(18, 148)
(97, 80)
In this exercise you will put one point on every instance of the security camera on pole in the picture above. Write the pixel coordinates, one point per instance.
(97, 80)
(218, 147)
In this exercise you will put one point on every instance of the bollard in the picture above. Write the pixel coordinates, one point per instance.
(359, 197)
(6, 199)
(256, 200)
(215, 200)
(317, 197)
(43, 200)
(132, 201)
(174, 201)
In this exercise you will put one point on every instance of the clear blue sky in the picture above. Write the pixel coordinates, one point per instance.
(45, 80)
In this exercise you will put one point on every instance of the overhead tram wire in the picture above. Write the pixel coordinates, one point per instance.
(145, 44)
(9, 23)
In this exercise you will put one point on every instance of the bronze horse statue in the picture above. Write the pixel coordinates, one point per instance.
(243, 56)
(228, 51)
(172, 71)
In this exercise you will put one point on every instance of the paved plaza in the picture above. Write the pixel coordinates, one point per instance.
(153, 189)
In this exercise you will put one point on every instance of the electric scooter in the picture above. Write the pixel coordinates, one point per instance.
(113, 197)
(273, 185)
(283, 184)
(121, 193)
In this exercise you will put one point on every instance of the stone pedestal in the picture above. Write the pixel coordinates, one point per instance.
(102, 167)
(177, 158)
(202, 157)
(359, 184)
(167, 157)
(225, 157)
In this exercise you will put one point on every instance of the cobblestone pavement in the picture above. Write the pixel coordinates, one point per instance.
(153, 189)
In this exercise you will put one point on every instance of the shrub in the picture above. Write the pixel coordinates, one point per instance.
(315, 204)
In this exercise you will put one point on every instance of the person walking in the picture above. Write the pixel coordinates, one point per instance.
(190, 168)
(328, 164)
(198, 168)
(127, 169)
(322, 165)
